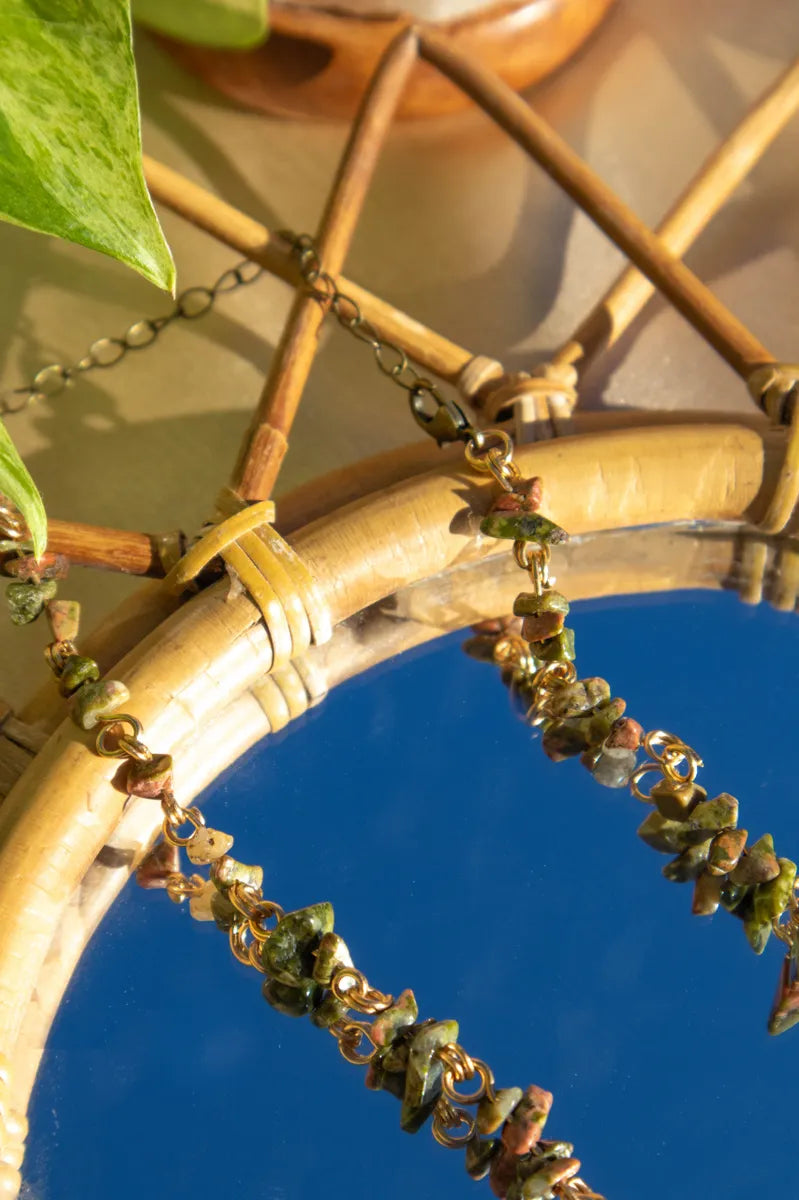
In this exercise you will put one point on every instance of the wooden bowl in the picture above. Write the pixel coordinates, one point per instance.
(317, 63)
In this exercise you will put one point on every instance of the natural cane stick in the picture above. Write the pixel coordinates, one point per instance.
(707, 192)
(265, 443)
(697, 303)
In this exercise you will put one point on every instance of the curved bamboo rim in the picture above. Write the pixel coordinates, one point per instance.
(197, 668)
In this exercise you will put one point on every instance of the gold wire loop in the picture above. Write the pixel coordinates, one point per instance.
(460, 1066)
(491, 451)
(118, 751)
(357, 993)
(179, 887)
(446, 1118)
(350, 1035)
(175, 816)
(637, 776)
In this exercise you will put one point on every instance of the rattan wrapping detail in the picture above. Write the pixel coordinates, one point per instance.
(289, 692)
(271, 573)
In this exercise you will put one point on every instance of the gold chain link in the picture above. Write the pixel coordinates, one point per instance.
(107, 352)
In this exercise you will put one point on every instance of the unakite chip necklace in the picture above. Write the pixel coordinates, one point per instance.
(307, 967)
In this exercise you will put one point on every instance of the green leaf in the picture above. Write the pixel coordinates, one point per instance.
(17, 485)
(70, 146)
(233, 24)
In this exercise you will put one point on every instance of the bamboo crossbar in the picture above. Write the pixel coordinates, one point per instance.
(697, 303)
(266, 440)
(708, 191)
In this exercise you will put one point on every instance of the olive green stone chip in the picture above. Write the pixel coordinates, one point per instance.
(491, 1114)
(479, 1154)
(77, 670)
(92, 701)
(226, 871)
(330, 956)
(294, 1002)
(423, 1076)
(725, 851)
(556, 649)
(676, 801)
(288, 952)
(759, 864)
(707, 895)
(773, 898)
(687, 866)
(330, 1010)
(27, 600)
(523, 527)
(387, 1024)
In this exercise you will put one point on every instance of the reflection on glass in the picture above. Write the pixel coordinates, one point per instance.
(508, 891)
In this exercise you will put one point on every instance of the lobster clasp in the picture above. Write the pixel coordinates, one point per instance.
(447, 423)
(785, 1009)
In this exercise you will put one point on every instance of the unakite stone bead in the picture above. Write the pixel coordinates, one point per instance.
(759, 864)
(26, 600)
(288, 953)
(223, 911)
(544, 615)
(491, 1114)
(612, 768)
(570, 701)
(602, 720)
(548, 1174)
(149, 779)
(200, 903)
(479, 1154)
(758, 933)
(713, 815)
(92, 701)
(625, 734)
(773, 898)
(725, 851)
(502, 1174)
(157, 865)
(480, 647)
(785, 1009)
(207, 845)
(688, 865)
(331, 954)
(423, 1076)
(597, 690)
(736, 898)
(707, 895)
(676, 801)
(403, 1012)
(556, 649)
(330, 1010)
(293, 1001)
(562, 740)
(77, 670)
(555, 1149)
(669, 837)
(523, 527)
(63, 617)
(226, 871)
(526, 1123)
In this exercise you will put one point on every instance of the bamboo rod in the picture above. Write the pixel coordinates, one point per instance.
(697, 303)
(110, 549)
(265, 442)
(705, 195)
(227, 224)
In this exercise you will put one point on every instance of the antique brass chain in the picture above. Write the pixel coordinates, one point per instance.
(107, 352)
(447, 422)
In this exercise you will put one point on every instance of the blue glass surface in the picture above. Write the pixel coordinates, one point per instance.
(507, 891)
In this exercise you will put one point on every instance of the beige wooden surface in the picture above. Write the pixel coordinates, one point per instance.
(459, 229)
